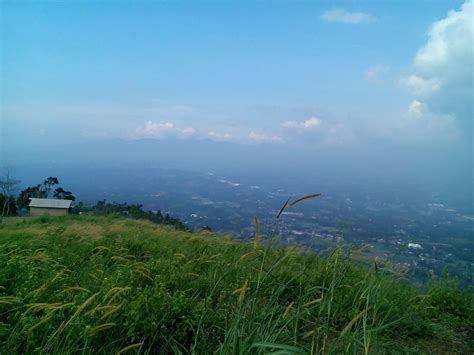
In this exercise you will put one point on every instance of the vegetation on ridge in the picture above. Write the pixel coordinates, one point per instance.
(94, 284)
(104, 208)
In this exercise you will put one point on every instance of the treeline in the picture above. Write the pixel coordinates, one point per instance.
(131, 210)
(12, 205)
(44, 190)
(8, 184)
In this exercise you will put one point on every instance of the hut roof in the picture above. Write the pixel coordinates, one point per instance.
(50, 203)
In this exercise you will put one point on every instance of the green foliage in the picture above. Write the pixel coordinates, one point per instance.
(131, 210)
(62, 194)
(25, 195)
(49, 183)
(43, 191)
(7, 205)
(446, 298)
(94, 284)
(7, 201)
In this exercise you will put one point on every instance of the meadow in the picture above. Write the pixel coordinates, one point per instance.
(94, 284)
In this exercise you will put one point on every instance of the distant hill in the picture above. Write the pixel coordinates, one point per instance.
(93, 284)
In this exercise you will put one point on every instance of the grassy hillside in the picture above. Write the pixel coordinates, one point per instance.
(96, 284)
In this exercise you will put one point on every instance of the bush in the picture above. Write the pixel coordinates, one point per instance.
(448, 302)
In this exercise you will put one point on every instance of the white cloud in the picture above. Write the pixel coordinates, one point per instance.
(156, 130)
(449, 38)
(344, 16)
(375, 73)
(416, 109)
(263, 138)
(315, 131)
(309, 123)
(442, 73)
(245, 138)
(186, 132)
(421, 87)
(423, 124)
(220, 137)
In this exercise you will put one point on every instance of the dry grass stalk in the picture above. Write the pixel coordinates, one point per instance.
(305, 197)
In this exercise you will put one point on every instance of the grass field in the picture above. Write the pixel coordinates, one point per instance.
(85, 284)
(17, 219)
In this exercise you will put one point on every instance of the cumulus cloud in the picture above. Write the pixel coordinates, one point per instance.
(375, 73)
(220, 137)
(264, 138)
(168, 129)
(442, 72)
(307, 124)
(432, 125)
(245, 138)
(315, 131)
(416, 108)
(449, 38)
(157, 130)
(347, 17)
(421, 87)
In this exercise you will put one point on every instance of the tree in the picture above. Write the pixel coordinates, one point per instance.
(49, 183)
(24, 197)
(62, 194)
(43, 191)
(8, 204)
(7, 186)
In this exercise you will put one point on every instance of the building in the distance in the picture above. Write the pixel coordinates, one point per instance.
(48, 206)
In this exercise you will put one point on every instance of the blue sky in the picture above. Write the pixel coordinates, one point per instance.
(318, 74)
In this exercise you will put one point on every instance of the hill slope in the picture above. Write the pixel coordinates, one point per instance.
(96, 284)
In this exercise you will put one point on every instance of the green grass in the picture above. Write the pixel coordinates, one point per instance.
(106, 285)
(16, 219)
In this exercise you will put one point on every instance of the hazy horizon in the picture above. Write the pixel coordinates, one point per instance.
(367, 91)
(236, 176)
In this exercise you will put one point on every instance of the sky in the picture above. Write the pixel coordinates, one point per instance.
(388, 79)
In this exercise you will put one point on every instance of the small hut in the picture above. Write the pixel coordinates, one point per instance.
(49, 206)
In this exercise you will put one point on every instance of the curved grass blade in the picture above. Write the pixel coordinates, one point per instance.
(130, 347)
(283, 208)
(376, 267)
(305, 197)
(353, 321)
(257, 229)
(257, 232)
(288, 349)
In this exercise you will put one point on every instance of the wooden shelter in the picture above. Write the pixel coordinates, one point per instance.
(49, 206)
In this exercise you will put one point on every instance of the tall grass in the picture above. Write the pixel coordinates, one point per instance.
(133, 287)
